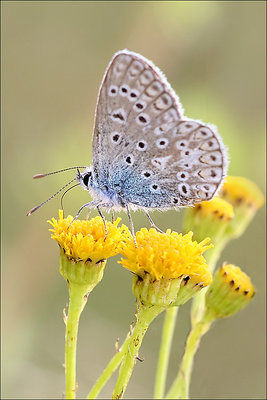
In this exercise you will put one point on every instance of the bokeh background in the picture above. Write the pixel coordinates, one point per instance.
(54, 55)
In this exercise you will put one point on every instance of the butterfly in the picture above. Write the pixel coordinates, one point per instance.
(146, 154)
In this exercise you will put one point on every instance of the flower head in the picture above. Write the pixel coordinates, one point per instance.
(84, 247)
(162, 261)
(216, 208)
(242, 191)
(246, 198)
(208, 218)
(230, 291)
(83, 240)
(168, 255)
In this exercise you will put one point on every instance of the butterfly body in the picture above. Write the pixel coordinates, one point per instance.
(107, 194)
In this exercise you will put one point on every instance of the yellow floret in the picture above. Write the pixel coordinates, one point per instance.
(169, 255)
(83, 240)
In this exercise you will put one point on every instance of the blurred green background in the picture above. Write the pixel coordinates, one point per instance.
(54, 55)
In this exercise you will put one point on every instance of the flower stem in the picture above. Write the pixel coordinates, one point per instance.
(77, 300)
(164, 353)
(180, 386)
(145, 316)
(200, 324)
(109, 370)
(198, 304)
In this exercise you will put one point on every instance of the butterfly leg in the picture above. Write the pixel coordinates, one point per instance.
(152, 222)
(104, 221)
(88, 214)
(112, 216)
(132, 226)
(91, 204)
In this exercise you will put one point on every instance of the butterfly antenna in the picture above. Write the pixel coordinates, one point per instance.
(62, 197)
(50, 198)
(38, 176)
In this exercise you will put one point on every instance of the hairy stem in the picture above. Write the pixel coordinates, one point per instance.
(180, 386)
(144, 317)
(109, 370)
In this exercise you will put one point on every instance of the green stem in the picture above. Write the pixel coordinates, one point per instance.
(180, 386)
(144, 317)
(109, 370)
(77, 301)
(198, 304)
(164, 353)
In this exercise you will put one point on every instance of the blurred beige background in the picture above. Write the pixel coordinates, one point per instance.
(54, 56)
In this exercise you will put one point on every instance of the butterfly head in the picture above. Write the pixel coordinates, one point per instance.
(84, 178)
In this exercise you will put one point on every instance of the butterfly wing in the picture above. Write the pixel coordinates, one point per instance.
(129, 81)
(143, 146)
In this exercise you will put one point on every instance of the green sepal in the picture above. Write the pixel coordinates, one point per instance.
(82, 273)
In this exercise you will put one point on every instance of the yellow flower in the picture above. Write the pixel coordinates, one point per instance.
(230, 291)
(168, 255)
(208, 218)
(169, 268)
(216, 208)
(85, 240)
(237, 279)
(246, 198)
(239, 190)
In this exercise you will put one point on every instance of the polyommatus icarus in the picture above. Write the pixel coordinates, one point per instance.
(146, 154)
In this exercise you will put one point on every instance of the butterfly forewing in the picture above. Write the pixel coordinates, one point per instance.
(149, 151)
(132, 84)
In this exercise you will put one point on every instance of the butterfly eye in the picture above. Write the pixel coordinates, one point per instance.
(86, 178)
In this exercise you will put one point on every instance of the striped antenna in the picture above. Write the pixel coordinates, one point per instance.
(63, 195)
(50, 198)
(38, 176)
